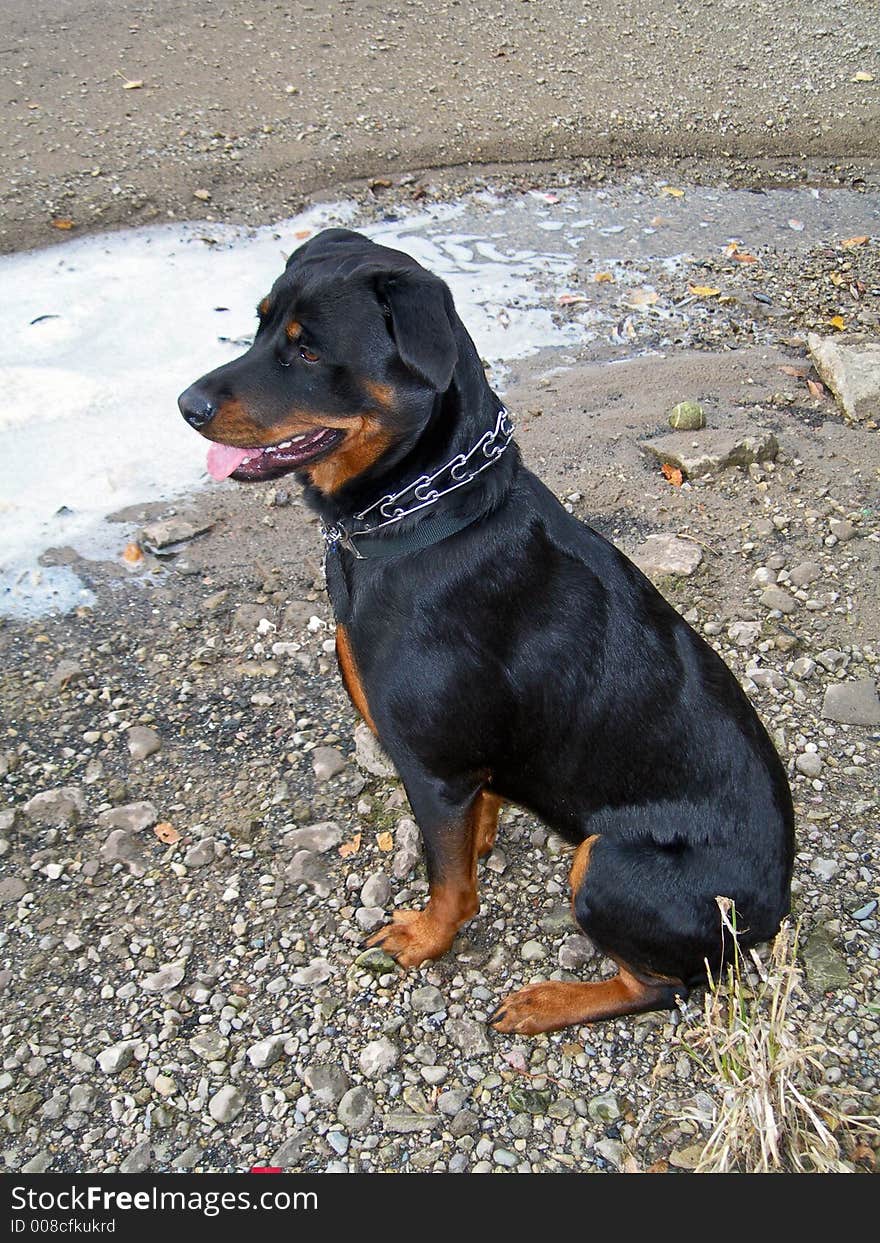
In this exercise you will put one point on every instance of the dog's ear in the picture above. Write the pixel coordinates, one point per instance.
(420, 309)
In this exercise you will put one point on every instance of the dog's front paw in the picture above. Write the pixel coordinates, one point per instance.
(537, 1008)
(413, 937)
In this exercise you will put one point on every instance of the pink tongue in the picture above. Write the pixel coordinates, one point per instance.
(223, 459)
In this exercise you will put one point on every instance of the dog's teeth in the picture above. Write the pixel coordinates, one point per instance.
(285, 444)
(244, 460)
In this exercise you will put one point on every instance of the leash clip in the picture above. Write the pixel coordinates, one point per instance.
(337, 534)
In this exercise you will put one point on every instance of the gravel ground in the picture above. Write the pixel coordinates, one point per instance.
(136, 112)
(184, 984)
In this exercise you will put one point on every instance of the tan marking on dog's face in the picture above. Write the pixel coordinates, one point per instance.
(365, 443)
(265, 307)
(293, 330)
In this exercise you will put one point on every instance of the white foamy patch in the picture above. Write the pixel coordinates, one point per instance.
(100, 335)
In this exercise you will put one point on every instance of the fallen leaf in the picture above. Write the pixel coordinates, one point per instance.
(849, 242)
(603, 278)
(301, 233)
(166, 833)
(671, 192)
(133, 84)
(132, 553)
(672, 474)
(817, 389)
(351, 847)
(743, 256)
(61, 223)
(704, 291)
(862, 76)
(838, 322)
(385, 842)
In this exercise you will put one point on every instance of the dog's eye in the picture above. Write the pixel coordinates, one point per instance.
(307, 355)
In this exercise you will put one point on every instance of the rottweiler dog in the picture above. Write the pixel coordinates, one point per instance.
(500, 649)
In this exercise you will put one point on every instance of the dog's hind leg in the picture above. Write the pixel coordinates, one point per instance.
(554, 1004)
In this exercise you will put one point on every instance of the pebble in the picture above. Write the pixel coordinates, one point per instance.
(122, 847)
(209, 1045)
(132, 818)
(356, 1109)
(663, 555)
(266, 1052)
(163, 980)
(376, 890)
(777, 598)
(378, 1056)
(60, 808)
(532, 951)
(469, 1036)
(116, 1057)
(852, 703)
(138, 1160)
(370, 755)
(142, 742)
(225, 1105)
(318, 838)
(427, 1000)
(810, 764)
(327, 762)
(201, 853)
(327, 1083)
(317, 972)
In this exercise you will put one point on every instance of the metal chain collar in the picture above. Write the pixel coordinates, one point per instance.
(425, 491)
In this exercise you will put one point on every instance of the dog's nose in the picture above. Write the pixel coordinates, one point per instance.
(196, 407)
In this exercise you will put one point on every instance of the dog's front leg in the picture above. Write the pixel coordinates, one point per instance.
(455, 828)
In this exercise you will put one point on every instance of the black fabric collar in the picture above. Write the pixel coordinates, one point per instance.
(427, 531)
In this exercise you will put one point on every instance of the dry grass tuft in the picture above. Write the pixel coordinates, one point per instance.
(775, 1114)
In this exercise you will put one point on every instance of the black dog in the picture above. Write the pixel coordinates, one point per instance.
(500, 649)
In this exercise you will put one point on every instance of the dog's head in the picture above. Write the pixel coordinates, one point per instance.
(354, 344)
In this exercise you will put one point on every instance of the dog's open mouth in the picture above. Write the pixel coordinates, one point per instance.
(270, 461)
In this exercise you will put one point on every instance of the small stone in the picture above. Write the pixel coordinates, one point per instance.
(408, 1124)
(842, 529)
(319, 837)
(532, 951)
(369, 917)
(825, 868)
(826, 970)
(309, 868)
(327, 1083)
(776, 598)
(852, 703)
(133, 817)
(65, 673)
(164, 1085)
(713, 451)
(831, 659)
(142, 742)
(317, 972)
(122, 847)
(59, 808)
(468, 1036)
(369, 754)
(744, 633)
(529, 1100)
(201, 853)
(327, 762)
(803, 668)
(852, 372)
(116, 1057)
(266, 1052)
(427, 1000)
(686, 1158)
(663, 555)
(603, 1108)
(138, 1160)
(356, 1109)
(225, 1105)
(376, 961)
(687, 416)
(378, 1057)
(809, 764)
(174, 530)
(804, 574)
(163, 980)
(38, 1164)
(292, 1149)
(376, 890)
(11, 889)
(83, 1098)
(613, 1151)
(209, 1045)
(465, 1122)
